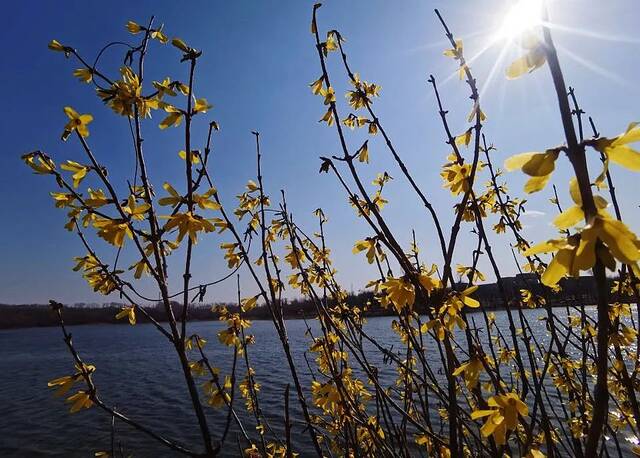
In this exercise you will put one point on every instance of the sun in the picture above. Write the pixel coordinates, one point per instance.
(522, 17)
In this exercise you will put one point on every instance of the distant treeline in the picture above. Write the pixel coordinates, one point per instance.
(580, 290)
(35, 315)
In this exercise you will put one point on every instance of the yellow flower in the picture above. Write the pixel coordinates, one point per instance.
(530, 300)
(134, 28)
(80, 400)
(229, 337)
(113, 230)
(84, 74)
(579, 251)
(63, 199)
(352, 121)
(624, 337)
(462, 298)
(328, 117)
(44, 164)
(95, 274)
(465, 138)
(128, 312)
(219, 398)
(574, 215)
(427, 281)
(475, 109)
(456, 52)
(202, 106)
(76, 122)
(470, 272)
(233, 258)
(174, 198)
(252, 186)
(456, 176)
(194, 340)
(332, 42)
(96, 198)
(125, 95)
(188, 223)
(325, 396)
(295, 257)
(471, 370)
(506, 355)
(136, 211)
(370, 246)
(399, 292)
(617, 150)
(80, 171)
(363, 152)
(164, 88)
(539, 166)
(174, 118)
(64, 384)
(252, 452)
(534, 58)
(361, 96)
(87, 263)
(316, 86)
(449, 313)
(181, 45)
(249, 303)
(197, 368)
(140, 267)
(618, 310)
(205, 200)
(159, 35)
(503, 417)
(54, 45)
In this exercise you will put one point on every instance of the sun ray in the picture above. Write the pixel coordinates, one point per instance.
(521, 17)
(494, 68)
(469, 60)
(591, 34)
(594, 67)
(442, 44)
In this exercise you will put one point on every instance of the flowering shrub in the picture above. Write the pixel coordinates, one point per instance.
(499, 387)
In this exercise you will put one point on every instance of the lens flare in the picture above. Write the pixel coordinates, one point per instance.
(522, 17)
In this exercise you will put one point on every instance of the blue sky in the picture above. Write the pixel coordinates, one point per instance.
(258, 61)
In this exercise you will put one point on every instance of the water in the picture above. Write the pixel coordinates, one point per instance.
(138, 372)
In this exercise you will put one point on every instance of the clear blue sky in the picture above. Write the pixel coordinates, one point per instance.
(258, 61)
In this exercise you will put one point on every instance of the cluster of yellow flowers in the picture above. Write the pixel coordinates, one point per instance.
(484, 407)
(81, 399)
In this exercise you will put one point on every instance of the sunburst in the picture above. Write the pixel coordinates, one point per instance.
(522, 17)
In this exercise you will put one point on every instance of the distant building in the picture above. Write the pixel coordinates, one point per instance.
(581, 290)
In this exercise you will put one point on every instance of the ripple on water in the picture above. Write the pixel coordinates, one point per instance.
(138, 373)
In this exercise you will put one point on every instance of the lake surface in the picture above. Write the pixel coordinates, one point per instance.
(137, 371)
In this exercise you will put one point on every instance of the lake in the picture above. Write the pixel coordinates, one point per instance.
(137, 371)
